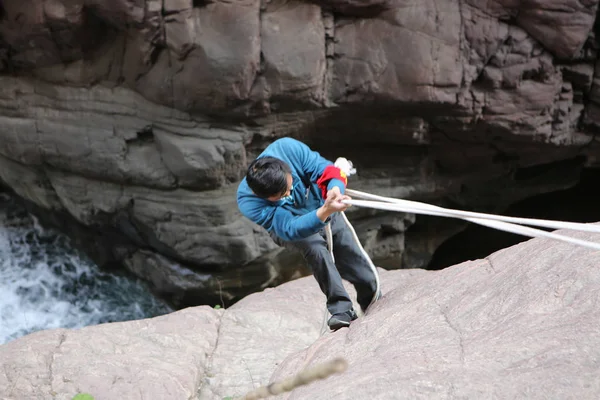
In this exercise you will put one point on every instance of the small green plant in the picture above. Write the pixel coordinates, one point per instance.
(83, 396)
(228, 398)
(216, 308)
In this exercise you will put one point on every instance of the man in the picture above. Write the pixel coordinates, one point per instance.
(293, 192)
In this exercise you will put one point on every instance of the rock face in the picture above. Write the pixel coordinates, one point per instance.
(521, 323)
(194, 353)
(129, 123)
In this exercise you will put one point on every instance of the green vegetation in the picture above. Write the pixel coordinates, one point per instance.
(83, 396)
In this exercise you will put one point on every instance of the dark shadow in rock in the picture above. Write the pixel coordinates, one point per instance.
(578, 204)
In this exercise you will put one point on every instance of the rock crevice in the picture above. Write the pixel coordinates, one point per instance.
(61, 340)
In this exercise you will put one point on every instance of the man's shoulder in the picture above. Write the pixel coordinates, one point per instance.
(243, 189)
(286, 149)
(286, 143)
(246, 199)
(246, 195)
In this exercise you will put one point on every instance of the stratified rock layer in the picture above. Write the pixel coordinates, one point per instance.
(129, 123)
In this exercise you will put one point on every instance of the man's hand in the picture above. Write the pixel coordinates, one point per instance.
(333, 204)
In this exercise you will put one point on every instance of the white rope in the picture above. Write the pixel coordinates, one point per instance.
(490, 220)
(459, 213)
(366, 256)
(329, 238)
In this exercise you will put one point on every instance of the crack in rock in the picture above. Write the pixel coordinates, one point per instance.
(209, 360)
(489, 261)
(455, 329)
(63, 337)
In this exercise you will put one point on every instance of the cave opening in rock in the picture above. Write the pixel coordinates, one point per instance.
(95, 31)
(199, 3)
(577, 204)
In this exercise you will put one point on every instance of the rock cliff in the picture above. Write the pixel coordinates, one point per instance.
(129, 122)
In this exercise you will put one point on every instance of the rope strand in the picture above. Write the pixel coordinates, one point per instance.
(489, 220)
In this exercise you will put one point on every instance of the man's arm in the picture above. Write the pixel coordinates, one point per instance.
(333, 204)
(289, 227)
(256, 210)
(285, 225)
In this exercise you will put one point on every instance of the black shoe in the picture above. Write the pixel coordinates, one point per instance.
(341, 320)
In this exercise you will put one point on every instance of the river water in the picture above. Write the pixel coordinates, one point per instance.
(45, 283)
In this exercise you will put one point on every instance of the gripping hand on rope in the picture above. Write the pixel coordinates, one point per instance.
(334, 202)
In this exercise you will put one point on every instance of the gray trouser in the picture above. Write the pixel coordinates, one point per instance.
(349, 264)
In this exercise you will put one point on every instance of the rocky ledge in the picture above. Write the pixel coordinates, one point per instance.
(522, 323)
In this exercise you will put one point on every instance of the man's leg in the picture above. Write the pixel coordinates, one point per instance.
(314, 250)
(353, 266)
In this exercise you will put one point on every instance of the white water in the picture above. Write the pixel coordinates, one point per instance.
(45, 283)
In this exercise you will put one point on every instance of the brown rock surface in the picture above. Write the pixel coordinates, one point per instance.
(521, 323)
(129, 123)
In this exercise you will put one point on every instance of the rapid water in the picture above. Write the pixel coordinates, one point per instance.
(45, 283)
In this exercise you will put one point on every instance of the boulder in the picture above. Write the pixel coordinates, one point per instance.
(522, 322)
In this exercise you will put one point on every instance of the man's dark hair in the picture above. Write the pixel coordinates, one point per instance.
(267, 176)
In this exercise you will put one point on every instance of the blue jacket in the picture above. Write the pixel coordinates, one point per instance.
(295, 217)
